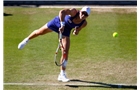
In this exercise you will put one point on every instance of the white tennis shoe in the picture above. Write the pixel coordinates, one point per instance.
(23, 43)
(63, 78)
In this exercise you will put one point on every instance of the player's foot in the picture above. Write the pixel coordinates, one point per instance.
(23, 43)
(63, 78)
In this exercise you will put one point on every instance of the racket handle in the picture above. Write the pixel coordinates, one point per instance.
(60, 35)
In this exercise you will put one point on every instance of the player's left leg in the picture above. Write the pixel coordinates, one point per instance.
(62, 76)
(41, 31)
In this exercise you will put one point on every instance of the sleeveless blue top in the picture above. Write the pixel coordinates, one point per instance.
(54, 24)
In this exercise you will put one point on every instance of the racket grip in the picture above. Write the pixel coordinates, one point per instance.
(60, 35)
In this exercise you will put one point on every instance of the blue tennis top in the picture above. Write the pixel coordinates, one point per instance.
(54, 24)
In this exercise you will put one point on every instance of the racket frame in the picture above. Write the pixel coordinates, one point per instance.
(60, 46)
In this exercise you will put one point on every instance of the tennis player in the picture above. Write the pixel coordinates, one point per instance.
(67, 20)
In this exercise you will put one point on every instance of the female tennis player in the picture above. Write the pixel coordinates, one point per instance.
(67, 20)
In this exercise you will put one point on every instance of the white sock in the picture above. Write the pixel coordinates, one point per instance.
(62, 72)
(27, 39)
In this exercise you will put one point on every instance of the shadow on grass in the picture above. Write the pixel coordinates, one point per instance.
(6, 14)
(100, 85)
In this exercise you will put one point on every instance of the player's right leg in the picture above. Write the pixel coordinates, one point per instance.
(62, 76)
(43, 30)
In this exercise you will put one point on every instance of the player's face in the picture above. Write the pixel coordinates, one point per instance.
(83, 15)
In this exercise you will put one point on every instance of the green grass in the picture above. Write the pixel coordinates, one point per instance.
(94, 56)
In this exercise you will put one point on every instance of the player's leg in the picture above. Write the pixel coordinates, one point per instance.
(66, 43)
(41, 31)
(62, 76)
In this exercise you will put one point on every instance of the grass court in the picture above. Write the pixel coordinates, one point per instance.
(97, 61)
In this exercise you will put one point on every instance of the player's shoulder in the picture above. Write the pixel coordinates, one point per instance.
(70, 11)
(73, 11)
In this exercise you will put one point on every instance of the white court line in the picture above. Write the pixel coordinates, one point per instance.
(34, 84)
(134, 86)
(60, 84)
(45, 84)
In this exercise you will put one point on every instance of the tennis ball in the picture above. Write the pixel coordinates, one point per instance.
(115, 34)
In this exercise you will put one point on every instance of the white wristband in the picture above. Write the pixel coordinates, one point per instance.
(62, 24)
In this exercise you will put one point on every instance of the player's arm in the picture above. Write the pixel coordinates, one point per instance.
(78, 29)
(62, 13)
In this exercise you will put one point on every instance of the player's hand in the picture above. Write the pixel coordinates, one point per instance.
(76, 31)
(61, 29)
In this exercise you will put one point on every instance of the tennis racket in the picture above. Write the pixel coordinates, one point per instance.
(58, 53)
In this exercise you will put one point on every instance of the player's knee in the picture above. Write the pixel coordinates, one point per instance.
(40, 32)
(37, 32)
(66, 54)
